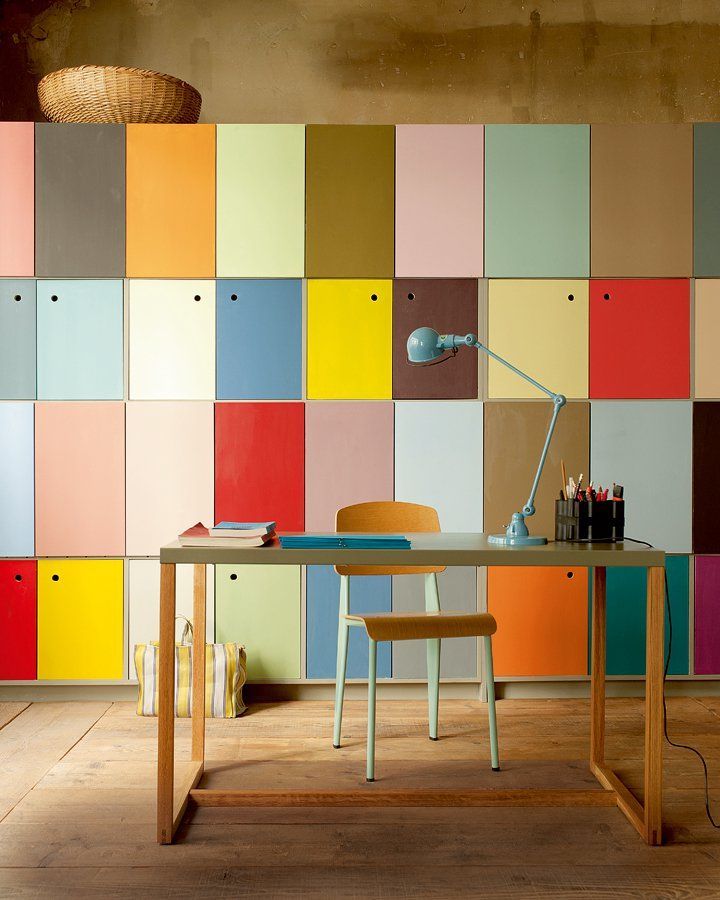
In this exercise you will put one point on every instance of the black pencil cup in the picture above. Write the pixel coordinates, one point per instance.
(589, 520)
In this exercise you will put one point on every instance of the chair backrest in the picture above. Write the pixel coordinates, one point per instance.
(391, 517)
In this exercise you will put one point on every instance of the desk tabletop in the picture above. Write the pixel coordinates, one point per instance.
(435, 549)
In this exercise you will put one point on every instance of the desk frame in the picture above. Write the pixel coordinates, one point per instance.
(174, 794)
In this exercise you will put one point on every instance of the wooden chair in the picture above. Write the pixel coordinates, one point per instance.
(391, 516)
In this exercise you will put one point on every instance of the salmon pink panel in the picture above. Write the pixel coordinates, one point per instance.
(259, 463)
(80, 479)
(18, 619)
(349, 458)
(640, 339)
(17, 198)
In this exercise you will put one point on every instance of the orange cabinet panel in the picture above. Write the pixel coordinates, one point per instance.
(542, 616)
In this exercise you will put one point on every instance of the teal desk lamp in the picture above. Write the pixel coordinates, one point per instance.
(425, 347)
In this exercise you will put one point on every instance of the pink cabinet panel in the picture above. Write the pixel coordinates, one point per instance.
(17, 198)
(80, 479)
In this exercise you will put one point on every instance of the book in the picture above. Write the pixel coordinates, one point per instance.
(199, 536)
(349, 541)
(242, 529)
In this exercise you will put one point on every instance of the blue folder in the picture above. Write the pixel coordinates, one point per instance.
(353, 541)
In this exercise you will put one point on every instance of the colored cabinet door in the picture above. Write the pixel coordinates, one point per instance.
(259, 339)
(17, 487)
(80, 619)
(261, 201)
(18, 619)
(169, 472)
(259, 463)
(458, 657)
(707, 338)
(439, 460)
(368, 593)
(350, 198)
(170, 201)
(542, 328)
(80, 340)
(640, 339)
(537, 201)
(705, 476)
(646, 447)
(80, 479)
(348, 458)
(515, 434)
(80, 200)
(542, 620)
(627, 617)
(17, 340)
(144, 603)
(641, 200)
(172, 340)
(707, 615)
(17, 192)
(706, 205)
(450, 306)
(259, 607)
(439, 200)
(349, 351)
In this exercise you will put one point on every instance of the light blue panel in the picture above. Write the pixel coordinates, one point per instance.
(80, 340)
(17, 339)
(259, 339)
(368, 593)
(647, 447)
(17, 481)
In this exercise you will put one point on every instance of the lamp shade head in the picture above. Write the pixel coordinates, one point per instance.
(423, 346)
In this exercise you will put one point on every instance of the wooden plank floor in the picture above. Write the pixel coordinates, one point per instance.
(77, 806)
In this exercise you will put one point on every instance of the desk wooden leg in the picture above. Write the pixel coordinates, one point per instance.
(655, 656)
(597, 672)
(166, 705)
(198, 673)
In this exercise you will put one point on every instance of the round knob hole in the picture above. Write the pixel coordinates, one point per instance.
(571, 296)
(570, 574)
(606, 296)
(373, 297)
(54, 298)
(56, 578)
(233, 577)
(411, 296)
(233, 296)
(18, 298)
(18, 578)
(197, 298)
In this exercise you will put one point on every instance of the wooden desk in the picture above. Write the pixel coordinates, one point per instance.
(427, 549)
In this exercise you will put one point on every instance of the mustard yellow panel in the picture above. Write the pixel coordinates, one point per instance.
(542, 328)
(349, 340)
(80, 619)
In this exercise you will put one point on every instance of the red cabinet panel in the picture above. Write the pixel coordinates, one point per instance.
(18, 619)
(640, 339)
(260, 463)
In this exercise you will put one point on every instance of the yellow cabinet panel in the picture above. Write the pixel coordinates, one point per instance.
(542, 328)
(349, 340)
(80, 619)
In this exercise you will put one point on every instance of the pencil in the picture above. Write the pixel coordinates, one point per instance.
(564, 475)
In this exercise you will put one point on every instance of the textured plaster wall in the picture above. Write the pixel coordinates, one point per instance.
(395, 61)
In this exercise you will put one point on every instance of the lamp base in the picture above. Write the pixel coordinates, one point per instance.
(517, 540)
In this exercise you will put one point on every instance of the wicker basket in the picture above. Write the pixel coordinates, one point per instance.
(117, 94)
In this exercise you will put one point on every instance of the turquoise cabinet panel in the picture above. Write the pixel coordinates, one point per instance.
(80, 340)
(626, 618)
(537, 201)
(259, 339)
(17, 484)
(368, 593)
(17, 340)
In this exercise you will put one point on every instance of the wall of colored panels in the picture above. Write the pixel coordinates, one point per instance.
(210, 322)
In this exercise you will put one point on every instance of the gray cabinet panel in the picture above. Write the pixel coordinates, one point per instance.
(17, 339)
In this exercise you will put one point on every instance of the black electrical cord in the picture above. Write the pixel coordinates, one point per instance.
(665, 717)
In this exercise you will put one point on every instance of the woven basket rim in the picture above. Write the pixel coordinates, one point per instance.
(128, 70)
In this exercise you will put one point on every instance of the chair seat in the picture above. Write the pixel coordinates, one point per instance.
(410, 626)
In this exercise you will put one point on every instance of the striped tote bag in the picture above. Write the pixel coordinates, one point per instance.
(225, 675)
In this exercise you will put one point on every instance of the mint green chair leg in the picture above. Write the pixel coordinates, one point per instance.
(490, 682)
(342, 650)
(372, 676)
(432, 604)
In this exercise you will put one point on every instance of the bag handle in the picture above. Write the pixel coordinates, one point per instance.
(187, 634)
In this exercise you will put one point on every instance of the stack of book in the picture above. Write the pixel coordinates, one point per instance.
(224, 534)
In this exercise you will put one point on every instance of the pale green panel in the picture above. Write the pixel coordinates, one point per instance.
(261, 201)
(260, 609)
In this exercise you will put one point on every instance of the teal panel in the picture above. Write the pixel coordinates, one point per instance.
(17, 340)
(626, 614)
(80, 340)
(537, 201)
(707, 199)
